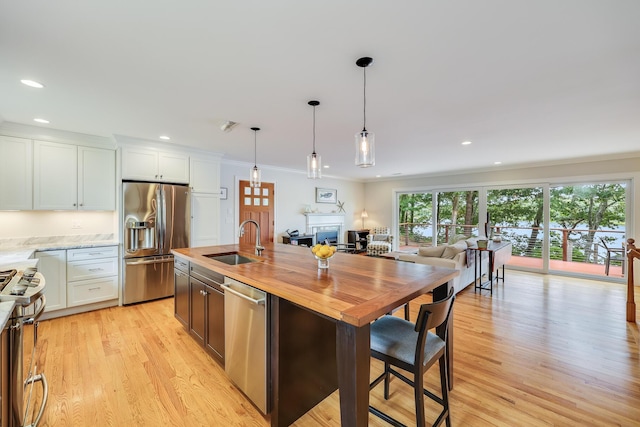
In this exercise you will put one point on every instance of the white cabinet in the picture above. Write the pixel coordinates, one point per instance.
(55, 176)
(68, 177)
(96, 179)
(204, 175)
(53, 266)
(205, 223)
(205, 201)
(16, 173)
(92, 275)
(77, 277)
(150, 165)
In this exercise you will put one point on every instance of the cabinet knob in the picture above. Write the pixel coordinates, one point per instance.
(74, 204)
(161, 176)
(81, 204)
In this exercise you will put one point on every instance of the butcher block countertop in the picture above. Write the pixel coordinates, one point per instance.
(354, 289)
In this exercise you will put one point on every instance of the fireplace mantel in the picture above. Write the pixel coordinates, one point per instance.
(325, 221)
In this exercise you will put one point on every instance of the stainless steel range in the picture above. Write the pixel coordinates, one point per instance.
(25, 289)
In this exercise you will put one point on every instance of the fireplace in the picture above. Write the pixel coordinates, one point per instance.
(320, 222)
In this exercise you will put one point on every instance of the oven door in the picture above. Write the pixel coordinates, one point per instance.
(23, 410)
(5, 375)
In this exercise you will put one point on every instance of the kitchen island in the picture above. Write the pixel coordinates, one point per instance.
(319, 319)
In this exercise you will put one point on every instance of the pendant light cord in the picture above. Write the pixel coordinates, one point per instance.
(255, 150)
(314, 129)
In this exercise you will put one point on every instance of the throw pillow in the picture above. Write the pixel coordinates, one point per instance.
(471, 241)
(380, 237)
(432, 251)
(452, 250)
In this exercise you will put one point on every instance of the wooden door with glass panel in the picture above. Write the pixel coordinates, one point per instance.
(257, 204)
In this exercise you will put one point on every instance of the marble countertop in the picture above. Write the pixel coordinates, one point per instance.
(18, 259)
(6, 308)
(74, 245)
(18, 253)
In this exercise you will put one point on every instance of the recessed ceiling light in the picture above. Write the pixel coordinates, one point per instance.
(466, 143)
(326, 166)
(41, 120)
(378, 176)
(165, 137)
(32, 83)
(497, 163)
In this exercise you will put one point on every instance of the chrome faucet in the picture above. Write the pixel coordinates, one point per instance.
(259, 247)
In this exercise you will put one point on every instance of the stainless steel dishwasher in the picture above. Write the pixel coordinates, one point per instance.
(245, 337)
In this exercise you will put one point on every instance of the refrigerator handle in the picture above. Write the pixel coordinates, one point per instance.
(163, 228)
(159, 219)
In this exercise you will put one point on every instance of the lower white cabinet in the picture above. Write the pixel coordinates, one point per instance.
(53, 266)
(78, 277)
(92, 276)
(90, 291)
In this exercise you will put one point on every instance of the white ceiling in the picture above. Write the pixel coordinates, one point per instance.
(525, 80)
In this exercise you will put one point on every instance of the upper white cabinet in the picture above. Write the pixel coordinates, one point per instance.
(96, 179)
(55, 176)
(16, 173)
(150, 165)
(68, 177)
(205, 175)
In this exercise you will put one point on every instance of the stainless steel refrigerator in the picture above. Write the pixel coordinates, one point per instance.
(157, 218)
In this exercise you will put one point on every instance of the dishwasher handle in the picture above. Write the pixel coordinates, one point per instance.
(260, 301)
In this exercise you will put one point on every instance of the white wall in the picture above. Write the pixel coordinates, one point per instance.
(293, 191)
(14, 225)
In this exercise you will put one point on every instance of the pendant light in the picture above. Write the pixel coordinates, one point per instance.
(254, 180)
(365, 141)
(314, 161)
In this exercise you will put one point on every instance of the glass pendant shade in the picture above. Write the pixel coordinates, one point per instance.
(314, 166)
(365, 141)
(314, 161)
(254, 173)
(254, 180)
(365, 149)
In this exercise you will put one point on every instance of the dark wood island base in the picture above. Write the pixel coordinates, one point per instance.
(319, 321)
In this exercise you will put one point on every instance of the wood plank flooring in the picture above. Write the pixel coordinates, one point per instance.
(542, 351)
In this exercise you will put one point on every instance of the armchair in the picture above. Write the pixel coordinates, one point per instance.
(379, 241)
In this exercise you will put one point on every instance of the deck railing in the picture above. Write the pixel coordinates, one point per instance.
(576, 245)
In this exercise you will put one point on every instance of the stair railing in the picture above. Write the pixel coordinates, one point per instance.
(632, 252)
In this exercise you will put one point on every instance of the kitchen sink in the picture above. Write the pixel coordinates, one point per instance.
(231, 258)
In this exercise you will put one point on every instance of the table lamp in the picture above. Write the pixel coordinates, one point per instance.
(364, 215)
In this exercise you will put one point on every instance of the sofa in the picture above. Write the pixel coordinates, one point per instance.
(453, 255)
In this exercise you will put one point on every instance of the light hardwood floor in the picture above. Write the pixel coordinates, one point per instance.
(542, 351)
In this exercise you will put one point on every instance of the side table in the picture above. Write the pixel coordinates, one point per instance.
(499, 254)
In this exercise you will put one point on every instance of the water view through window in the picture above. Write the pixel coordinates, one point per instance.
(586, 230)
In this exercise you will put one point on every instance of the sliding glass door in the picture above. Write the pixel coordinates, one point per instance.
(517, 215)
(570, 228)
(415, 220)
(457, 214)
(588, 228)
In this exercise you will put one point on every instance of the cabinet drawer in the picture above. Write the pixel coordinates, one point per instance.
(90, 291)
(181, 264)
(92, 269)
(92, 253)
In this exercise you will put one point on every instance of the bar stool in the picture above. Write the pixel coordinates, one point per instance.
(412, 347)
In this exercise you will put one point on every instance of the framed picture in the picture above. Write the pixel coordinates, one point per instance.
(223, 193)
(326, 195)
